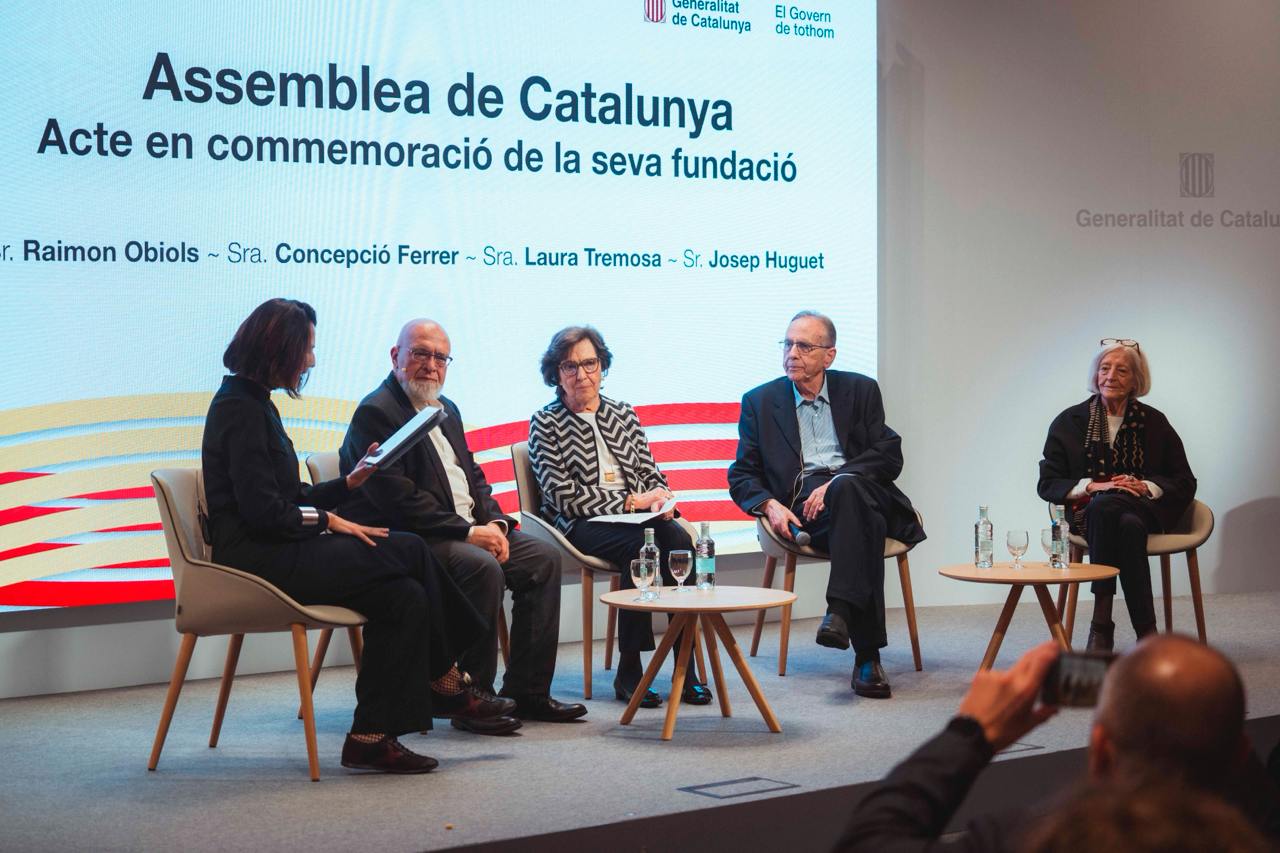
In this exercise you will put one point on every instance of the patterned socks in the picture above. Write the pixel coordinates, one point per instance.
(450, 683)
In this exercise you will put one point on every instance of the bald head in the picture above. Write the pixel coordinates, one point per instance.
(420, 360)
(414, 327)
(1173, 706)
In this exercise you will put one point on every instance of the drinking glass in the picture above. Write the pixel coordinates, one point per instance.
(1046, 541)
(680, 563)
(642, 572)
(1017, 542)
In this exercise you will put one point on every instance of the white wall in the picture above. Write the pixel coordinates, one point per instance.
(999, 121)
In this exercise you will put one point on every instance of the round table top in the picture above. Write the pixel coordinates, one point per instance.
(1031, 572)
(722, 599)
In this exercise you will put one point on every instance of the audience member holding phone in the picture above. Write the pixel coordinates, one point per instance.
(1172, 709)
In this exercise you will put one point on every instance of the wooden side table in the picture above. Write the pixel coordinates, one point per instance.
(689, 608)
(1038, 576)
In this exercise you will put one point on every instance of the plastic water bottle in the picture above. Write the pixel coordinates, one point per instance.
(983, 536)
(705, 559)
(1061, 545)
(649, 551)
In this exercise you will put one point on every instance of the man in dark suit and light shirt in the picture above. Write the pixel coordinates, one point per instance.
(439, 492)
(814, 454)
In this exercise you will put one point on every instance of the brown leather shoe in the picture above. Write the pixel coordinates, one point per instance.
(486, 725)
(506, 703)
(387, 755)
(469, 703)
(1102, 638)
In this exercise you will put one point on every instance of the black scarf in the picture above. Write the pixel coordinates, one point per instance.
(1103, 459)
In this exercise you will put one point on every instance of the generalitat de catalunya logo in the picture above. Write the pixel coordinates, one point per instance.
(1195, 175)
(655, 11)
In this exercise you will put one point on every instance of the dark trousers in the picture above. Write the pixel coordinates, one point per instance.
(415, 614)
(619, 544)
(1116, 527)
(532, 573)
(851, 528)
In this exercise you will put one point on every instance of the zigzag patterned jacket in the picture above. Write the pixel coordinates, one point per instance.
(562, 450)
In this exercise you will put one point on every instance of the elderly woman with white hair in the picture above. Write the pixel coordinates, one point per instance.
(1120, 468)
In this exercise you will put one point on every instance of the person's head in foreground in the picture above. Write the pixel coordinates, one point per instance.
(1152, 818)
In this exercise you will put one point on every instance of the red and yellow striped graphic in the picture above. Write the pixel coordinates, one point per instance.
(79, 525)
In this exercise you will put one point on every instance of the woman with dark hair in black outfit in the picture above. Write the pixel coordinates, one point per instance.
(1120, 468)
(264, 520)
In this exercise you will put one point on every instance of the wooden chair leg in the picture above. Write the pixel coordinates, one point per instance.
(1165, 583)
(789, 584)
(504, 637)
(224, 692)
(322, 649)
(1197, 600)
(611, 628)
(587, 600)
(770, 563)
(171, 698)
(909, 604)
(1069, 625)
(356, 637)
(304, 692)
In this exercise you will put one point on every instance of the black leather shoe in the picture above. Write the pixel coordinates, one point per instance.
(1102, 638)
(870, 681)
(486, 725)
(623, 694)
(833, 632)
(544, 709)
(695, 692)
(387, 755)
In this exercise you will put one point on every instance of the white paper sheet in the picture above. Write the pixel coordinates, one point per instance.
(635, 517)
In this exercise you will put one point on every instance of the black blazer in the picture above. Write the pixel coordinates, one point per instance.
(412, 494)
(256, 500)
(1165, 462)
(770, 460)
(909, 809)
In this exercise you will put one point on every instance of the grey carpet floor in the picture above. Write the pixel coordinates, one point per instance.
(75, 774)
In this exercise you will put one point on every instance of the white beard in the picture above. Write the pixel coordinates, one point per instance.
(420, 393)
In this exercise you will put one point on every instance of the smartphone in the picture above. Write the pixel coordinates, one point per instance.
(1074, 680)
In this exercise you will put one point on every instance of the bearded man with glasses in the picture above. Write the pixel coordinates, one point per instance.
(439, 492)
(814, 455)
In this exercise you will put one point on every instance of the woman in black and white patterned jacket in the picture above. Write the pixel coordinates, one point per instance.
(591, 458)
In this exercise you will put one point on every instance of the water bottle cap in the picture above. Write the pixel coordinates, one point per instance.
(706, 528)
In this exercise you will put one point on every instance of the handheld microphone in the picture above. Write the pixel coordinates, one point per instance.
(797, 534)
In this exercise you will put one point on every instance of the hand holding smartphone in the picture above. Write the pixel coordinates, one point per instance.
(1074, 679)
